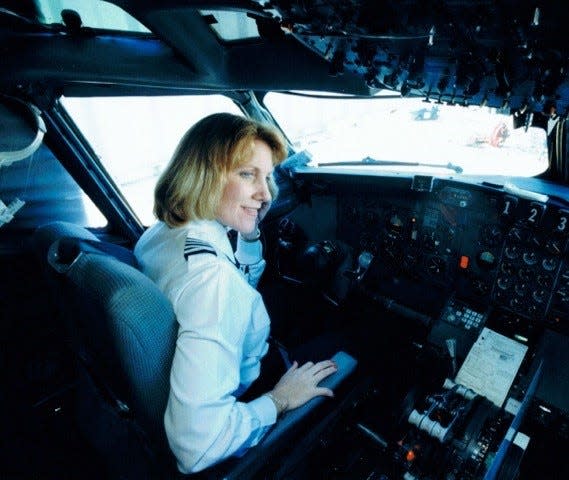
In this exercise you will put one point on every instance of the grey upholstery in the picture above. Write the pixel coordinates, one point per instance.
(127, 330)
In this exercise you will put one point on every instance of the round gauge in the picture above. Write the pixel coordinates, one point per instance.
(532, 310)
(409, 260)
(431, 240)
(512, 252)
(515, 302)
(530, 258)
(525, 273)
(480, 287)
(563, 295)
(544, 281)
(539, 295)
(535, 241)
(391, 241)
(491, 235)
(549, 264)
(435, 265)
(486, 260)
(507, 268)
(554, 246)
(504, 283)
(520, 289)
(516, 235)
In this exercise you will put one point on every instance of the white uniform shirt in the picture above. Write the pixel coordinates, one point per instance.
(223, 331)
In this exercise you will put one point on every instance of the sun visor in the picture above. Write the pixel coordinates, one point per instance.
(21, 130)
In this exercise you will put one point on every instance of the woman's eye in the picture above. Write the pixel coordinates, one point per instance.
(246, 174)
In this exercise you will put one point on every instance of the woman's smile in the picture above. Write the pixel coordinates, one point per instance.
(246, 189)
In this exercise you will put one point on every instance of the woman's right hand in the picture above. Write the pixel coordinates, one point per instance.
(300, 384)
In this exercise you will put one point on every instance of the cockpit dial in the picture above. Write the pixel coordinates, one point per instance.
(491, 235)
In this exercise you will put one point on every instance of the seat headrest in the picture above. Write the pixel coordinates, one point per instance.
(64, 252)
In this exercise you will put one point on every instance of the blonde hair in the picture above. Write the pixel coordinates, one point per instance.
(191, 186)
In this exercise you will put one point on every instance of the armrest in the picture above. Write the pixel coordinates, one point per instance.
(346, 365)
(256, 456)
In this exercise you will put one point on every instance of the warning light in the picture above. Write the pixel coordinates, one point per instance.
(410, 456)
(464, 260)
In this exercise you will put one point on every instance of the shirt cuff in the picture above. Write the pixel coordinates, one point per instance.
(248, 253)
(264, 409)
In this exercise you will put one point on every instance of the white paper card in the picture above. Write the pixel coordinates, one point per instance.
(491, 365)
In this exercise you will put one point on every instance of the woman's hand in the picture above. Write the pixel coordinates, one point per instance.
(300, 384)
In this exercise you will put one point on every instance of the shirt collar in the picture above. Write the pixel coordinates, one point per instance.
(212, 232)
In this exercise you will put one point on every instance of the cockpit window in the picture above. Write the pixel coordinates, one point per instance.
(392, 133)
(135, 137)
(231, 26)
(100, 14)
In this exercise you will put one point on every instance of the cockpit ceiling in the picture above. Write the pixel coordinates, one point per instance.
(502, 53)
(505, 53)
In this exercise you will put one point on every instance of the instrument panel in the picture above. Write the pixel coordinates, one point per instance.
(438, 265)
(487, 248)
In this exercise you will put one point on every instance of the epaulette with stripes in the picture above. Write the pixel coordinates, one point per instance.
(194, 246)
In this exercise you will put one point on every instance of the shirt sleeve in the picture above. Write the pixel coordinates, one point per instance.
(204, 422)
(250, 258)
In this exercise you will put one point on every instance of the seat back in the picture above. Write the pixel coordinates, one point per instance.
(127, 330)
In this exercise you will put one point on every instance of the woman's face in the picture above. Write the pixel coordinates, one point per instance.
(246, 190)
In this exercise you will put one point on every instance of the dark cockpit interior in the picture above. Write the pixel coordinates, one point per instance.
(446, 278)
(445, 263)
